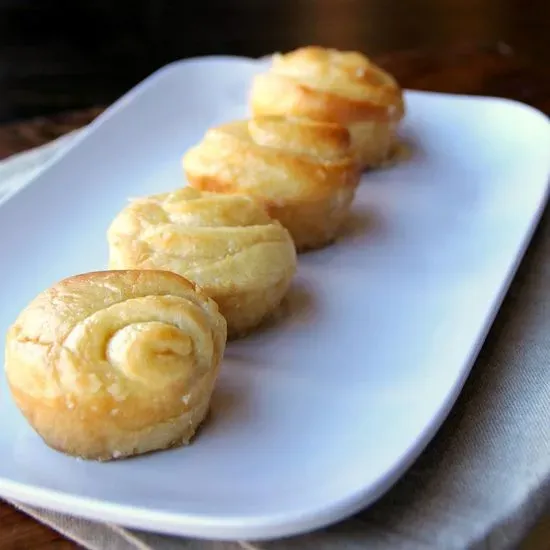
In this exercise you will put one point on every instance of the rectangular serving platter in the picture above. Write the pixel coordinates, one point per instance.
(318, 414)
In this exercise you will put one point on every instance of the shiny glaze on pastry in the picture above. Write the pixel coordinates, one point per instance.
(302, 171)
(227, 244)
(335, 86)
(112, 364)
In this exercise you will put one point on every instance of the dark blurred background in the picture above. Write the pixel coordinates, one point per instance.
(62, 55)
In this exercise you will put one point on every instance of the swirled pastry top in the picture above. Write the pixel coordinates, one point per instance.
(221, 242)
(275, 158)
(115, 335)
(327, 84)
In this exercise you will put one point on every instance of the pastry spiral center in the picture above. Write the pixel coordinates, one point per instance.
(150, 352)
(152, 341)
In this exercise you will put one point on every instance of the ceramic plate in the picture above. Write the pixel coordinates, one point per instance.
(316, 416)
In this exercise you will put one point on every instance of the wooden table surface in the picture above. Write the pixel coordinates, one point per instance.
(58, 55)
(495, 71)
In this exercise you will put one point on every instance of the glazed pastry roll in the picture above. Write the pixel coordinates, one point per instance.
(302, 171)
(228, 245)
(334, 86)
(113, 364)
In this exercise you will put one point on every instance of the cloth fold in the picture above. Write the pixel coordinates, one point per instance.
(483, 481)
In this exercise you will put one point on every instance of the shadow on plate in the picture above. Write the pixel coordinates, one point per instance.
(229, 405)
(362, 229)
(297, 308)
(403, 151)
(359, 224)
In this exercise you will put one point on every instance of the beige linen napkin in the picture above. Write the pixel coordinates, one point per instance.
(482, 483)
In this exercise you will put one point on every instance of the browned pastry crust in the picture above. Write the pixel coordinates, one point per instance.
(302, 171)
(113, 364)
(227, 244)
(329, 85)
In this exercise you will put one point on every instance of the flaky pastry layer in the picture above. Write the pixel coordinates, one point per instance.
(227, 244)
(302, 171)
(325, 84)
(111, 364)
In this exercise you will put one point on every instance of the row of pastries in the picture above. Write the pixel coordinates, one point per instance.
(116, 363)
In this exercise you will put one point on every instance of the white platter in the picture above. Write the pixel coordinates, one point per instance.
(319, 415)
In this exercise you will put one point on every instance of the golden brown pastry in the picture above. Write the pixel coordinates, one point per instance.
(112, 364)
(302, 171)
(228, 245)
(334, 86)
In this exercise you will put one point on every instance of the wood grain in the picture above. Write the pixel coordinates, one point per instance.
(58, 55)
(20, 532)
(496, 71)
